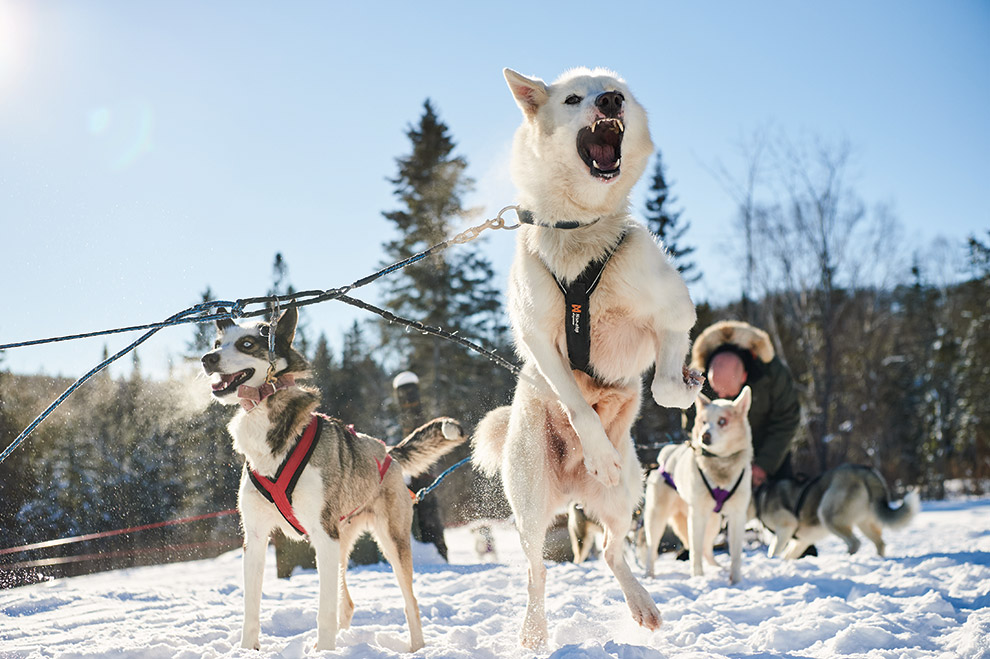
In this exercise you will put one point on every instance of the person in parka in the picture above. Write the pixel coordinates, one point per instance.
(733, 354)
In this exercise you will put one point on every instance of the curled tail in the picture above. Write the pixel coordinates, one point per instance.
(895, 518)
(488, 441)
(888, 515)
(427, 444)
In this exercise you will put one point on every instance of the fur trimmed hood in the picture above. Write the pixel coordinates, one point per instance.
(735, 332)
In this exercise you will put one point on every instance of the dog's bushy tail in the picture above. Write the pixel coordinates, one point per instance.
(427, 444)
(897, 517)
(887, 514)
(489, 440)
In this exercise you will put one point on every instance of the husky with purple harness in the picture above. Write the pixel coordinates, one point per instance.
(702, 481)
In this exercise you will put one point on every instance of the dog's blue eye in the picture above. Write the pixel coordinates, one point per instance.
(722, 421)
(573, 99)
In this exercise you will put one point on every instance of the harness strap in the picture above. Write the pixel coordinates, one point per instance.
(383, 466)
(279, 492)
(718, 494)
(667, 478)
(577, 317)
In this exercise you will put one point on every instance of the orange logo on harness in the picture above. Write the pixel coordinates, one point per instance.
(575, 308)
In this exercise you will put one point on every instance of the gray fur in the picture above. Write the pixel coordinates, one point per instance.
(844, 497)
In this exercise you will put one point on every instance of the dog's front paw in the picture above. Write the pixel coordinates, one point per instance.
(605, 465)
(693, 377)
(679, 392)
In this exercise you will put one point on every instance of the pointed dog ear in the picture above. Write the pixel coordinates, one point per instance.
(285, 329)
(530, 93)
(223, 323)
(702, 402)
(743, 400)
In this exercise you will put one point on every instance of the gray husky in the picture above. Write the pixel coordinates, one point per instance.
(801, 514)
(313, 477)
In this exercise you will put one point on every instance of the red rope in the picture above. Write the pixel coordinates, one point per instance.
(113, 554)
(107, 534)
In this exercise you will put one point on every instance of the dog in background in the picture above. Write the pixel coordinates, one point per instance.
(593, 302)
(702, 481)
(311, 476)
(800, 514)
(582, 531)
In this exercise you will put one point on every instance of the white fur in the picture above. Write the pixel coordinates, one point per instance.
(690, 509)
(640, 314)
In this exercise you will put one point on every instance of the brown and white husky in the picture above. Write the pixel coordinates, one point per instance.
(313, 477)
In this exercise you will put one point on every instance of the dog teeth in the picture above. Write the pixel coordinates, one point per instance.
(622, 128)
(594, 163)
(618, 163)
(593, 127)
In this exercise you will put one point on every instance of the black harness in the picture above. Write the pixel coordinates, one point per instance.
(577, 304)
(577, 295)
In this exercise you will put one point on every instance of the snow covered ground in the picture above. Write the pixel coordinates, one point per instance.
(929, 598)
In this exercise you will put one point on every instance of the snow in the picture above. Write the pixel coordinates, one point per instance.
(929, 598)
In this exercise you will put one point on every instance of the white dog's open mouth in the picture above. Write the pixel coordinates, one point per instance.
(600, 147)
(229, 382)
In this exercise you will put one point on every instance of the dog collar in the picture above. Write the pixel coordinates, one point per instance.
(251, 397)
(527, 217)
(705, 453)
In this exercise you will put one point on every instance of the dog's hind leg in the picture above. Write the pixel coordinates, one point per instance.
(327, 564)
(532, 534)
(644, 610)
(394, 542)
(872, 529)
(345, 605)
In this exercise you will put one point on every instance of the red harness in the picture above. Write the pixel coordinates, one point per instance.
(279, 491)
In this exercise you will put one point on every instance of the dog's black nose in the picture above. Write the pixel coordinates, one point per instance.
(706, 438)
(609, 103)
(211, 359)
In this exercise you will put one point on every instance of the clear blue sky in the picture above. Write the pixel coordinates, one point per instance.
(151, 149)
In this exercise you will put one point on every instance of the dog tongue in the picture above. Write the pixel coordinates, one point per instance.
(224, 381)
(603, 154)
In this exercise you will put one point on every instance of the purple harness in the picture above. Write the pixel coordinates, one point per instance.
(718, 494)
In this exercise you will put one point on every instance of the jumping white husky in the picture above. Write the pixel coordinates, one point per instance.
(312, 477)
(593, 302)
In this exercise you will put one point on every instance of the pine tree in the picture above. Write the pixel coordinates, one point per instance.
(452, 289)
(666, 223)
(360, 388)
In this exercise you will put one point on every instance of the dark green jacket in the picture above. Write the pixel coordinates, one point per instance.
(776, 412)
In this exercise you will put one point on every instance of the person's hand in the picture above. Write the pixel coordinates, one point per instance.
(759, 476)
